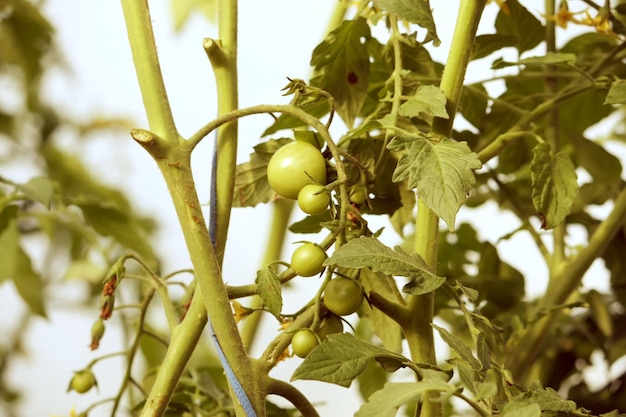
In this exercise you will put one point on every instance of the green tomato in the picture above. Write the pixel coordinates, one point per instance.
(313, 199)
(307, 260)
(358, 195)
(331, 324)
(303, 342)
(288, 168)
(343, 296)
(82, 381)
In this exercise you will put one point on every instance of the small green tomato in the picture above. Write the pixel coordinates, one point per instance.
(308, 259)
(313, 199)
(82, 381)
(343, 296)
(303, 342)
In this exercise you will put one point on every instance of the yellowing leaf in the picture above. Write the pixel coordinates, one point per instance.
(385, 403)
(427, 99)
(9, 241)
(29, 284)
(554, 185)
(441, 171)
(617, 93)
(270, 290)
(341, 64)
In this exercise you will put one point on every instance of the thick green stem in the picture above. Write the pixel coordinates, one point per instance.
(223, 57)
(419, 332)
(145, 58)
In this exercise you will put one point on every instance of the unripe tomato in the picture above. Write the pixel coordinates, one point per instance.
(288, 168)
(343, 296)
(82, 381)
(303, 342)
(313, 199)
(307, 260)
(358, 195)
(330, 325)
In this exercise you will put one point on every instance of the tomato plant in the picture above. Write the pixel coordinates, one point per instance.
(343, 296)
(303, 342)
(293, 166)
(313, 199)
(377, 126)
(307, 260)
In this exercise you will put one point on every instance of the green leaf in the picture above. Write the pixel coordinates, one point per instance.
(485, 45)
(110, 221)
(617, 93)
(553, 185)
(473, 103)
(251, 186)
(270, 290)
(9, 242)
(287, 121)
(341, 64)
(385, 403)
(441, 171)
(527, 410)
(602, 165)
(39, 189)
(29, 284)
(521, 24)
(342, 357)
(415, 11)
(552, 58)
(388, 331)
(311, 224)
(369, 252)
(546, 399)
(459, 347)
(427, 99)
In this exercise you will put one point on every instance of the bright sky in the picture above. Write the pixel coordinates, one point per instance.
(276, 39)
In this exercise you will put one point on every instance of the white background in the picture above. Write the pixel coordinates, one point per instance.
(275, 42)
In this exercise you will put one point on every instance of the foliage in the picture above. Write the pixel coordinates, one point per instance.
(526, 149)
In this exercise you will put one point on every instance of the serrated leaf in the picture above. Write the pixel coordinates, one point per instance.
(385, 403)
(9, 242)
(415, 11)
(369, 252)
(427, 99)
(547, 399)
(110, 221)
(554, 185)
(388, 331)
(521, 24)
(39, 189)
(441, 171)
(485, 390)
(617, 93)
(251, 185)
(473, 103)
(341, 358)
(270, 290)
(527, 410)
(29, 284)
(485, 45)
(341, 64)
(603, 166)
(552, 58)
(459, 347)
(311, 224)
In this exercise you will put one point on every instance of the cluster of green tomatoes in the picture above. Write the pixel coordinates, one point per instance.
(298, 171)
